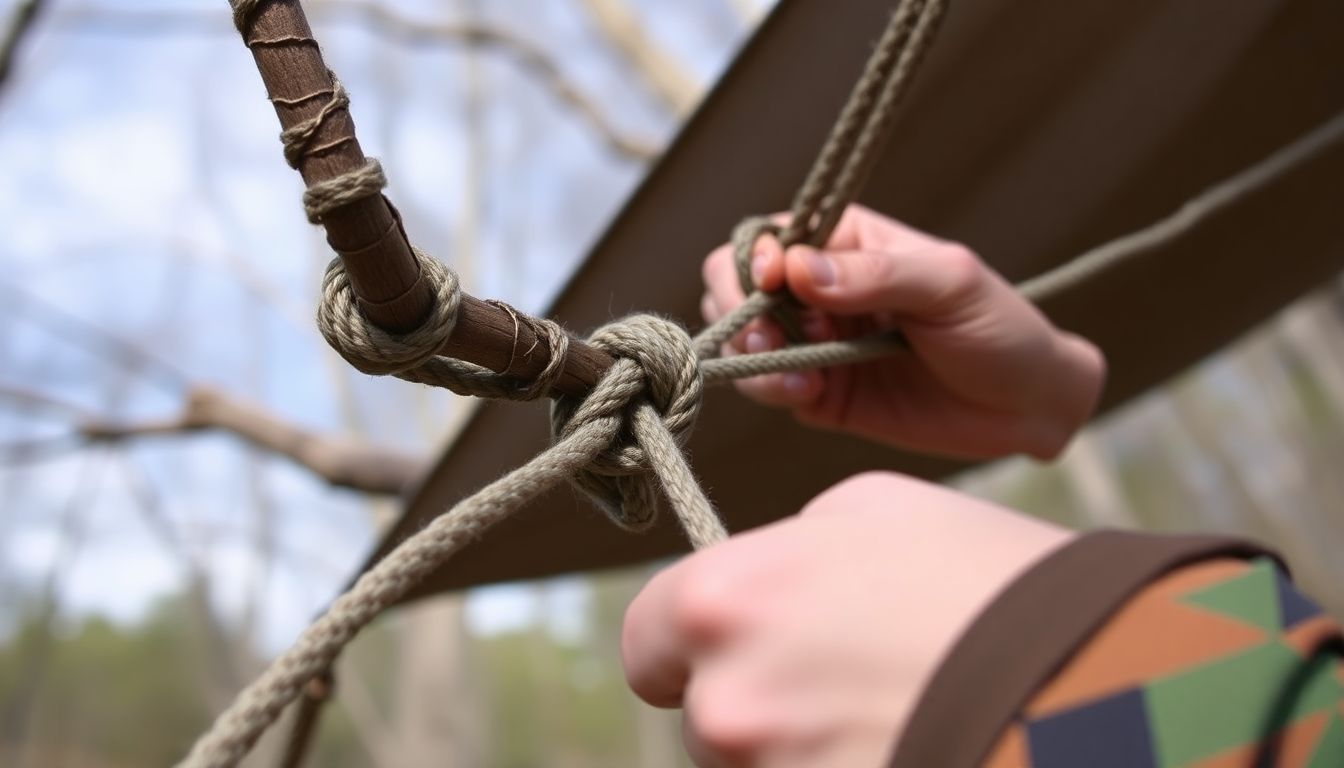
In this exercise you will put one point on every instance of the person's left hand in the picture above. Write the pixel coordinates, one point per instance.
(808, 642)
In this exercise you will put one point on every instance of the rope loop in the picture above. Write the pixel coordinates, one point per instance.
(242, 14)
(781, 307)
(657, 369)
(323, 197)
(745, 235)
(373, 350)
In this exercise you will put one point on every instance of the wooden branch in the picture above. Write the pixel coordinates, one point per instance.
(747, 11)
(530, 56)
(365, 234)
(382, 20)
(668, 80)
(340, 461)
(25, 14)
(99, 342)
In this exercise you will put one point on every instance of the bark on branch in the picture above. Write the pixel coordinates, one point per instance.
(340, 461)
(25, 14)
(382, 269)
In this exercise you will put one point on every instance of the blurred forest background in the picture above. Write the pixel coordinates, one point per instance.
(157, 279)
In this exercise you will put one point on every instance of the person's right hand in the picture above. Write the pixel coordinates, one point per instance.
(809, 642)
(987, 374)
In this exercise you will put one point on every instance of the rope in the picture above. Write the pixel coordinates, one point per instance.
(850, 151)
(622, 444)
(1212, 200)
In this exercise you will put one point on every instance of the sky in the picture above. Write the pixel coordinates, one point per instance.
(143, 196)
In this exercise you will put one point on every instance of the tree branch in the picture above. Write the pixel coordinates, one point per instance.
(93, 338)
(384, 273)
(665, 77)
(747, 11)
(24, 17)
(383, 21)
(529, 56)
(340, 461)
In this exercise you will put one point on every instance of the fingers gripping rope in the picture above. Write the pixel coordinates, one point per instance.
(622, 444)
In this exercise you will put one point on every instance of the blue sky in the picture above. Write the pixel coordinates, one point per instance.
(143, 193)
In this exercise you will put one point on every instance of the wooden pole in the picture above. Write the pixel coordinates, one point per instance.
(367, 236)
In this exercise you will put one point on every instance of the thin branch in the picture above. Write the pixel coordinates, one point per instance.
(530, 56)
(340, 461)
(668, 80)
(33, 400)
(149, 503)
(749, 12)
(381, 20)
(356, 698)
(223, 674)
(38, 449)
(251, 280)
(22, 23)
(92, 338)
(18, 709)
(384, 273)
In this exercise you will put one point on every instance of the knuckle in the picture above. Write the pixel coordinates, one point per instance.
(716, 262)
(873, 484)
(965, 271)
(704, 607)
(725, 719)
(767, 390)
(709, 308)
(874, 271)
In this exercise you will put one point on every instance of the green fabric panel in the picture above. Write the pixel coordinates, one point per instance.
(1224, 704)
(1330, 749)
(1250, 598)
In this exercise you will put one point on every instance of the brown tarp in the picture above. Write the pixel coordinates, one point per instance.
(1036, 130)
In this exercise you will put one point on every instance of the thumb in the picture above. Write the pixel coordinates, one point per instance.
(926, 281)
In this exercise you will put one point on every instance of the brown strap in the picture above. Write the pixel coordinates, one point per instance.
(1031, 630)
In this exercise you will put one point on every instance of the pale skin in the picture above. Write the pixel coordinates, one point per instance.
(988, 375)
(808, 642)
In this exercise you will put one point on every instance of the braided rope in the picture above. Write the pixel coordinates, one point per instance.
(298, 138)
(621, 444)
(618, 479)
(243, 11)
(323, 197)
(849, 153)
(863, 123)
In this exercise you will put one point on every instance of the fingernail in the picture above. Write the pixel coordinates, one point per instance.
(758, 264)
(795, 383)
(757, 342)
(820, 267)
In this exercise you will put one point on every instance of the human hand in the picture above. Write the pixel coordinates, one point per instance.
(987, 374)
(808, 642)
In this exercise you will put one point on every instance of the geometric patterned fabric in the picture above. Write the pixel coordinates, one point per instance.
(1221, 664)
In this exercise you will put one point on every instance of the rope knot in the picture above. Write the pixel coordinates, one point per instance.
(654, 389)
(369, 348)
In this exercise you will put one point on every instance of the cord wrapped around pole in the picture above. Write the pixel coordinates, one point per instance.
(621, 443)
(363, 227)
